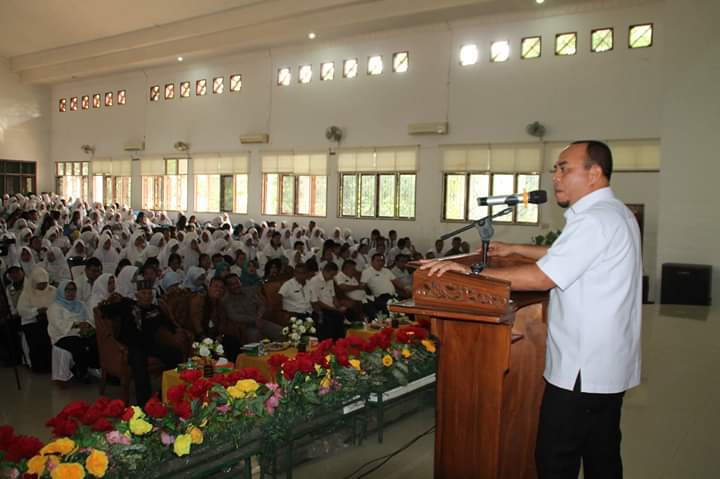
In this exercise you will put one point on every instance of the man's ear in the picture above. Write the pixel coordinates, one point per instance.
(596, 174)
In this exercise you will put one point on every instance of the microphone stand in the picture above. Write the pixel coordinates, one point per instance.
(485, 229)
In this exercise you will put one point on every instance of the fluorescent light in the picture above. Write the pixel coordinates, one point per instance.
(180, 59)
(539, 2)
(311, 36)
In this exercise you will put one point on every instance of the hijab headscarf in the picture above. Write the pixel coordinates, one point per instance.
(100, 290)
(169, 279)
(28, 265)
(33, 297)
(125, 286)
(133, 252)
(193, 281)
(74, 251)
(108, 257)
(57, 268)
(74, 306)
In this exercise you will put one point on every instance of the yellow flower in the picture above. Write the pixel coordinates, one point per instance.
(182, 445)
(387, 360)
(355, 363)
(429, 345)
(36, 465)
(406, 353)
(140, 427)
(243, 388)
(326, 382)
(138, 413)
(62, 446)
(96, 463)
(196, 435)
(318, 369)
(328, 357)
(71, 470)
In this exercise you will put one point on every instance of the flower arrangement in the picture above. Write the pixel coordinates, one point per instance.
(208, 348)
(109, 439)
(297, 329)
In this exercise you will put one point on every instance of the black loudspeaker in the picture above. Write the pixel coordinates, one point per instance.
(686, 284)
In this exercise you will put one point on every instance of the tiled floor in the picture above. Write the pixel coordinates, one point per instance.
(670, 423)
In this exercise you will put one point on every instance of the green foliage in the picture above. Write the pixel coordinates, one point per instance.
(547, 239)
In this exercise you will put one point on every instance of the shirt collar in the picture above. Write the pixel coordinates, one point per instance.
(587, 201)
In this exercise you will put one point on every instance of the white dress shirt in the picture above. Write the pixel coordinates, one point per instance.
(356, 294)
(379, 282)
(595, 311)
(296, 297)
(322, 290)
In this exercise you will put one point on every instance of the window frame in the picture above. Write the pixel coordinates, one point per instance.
(296, 189)
(490, 174)
(652, 35)
(84, 179)
(612, 39)
(555, 45)
(531, 37)
(358, 195)
(221, 209)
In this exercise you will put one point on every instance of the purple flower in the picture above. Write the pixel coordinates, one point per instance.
(272, 403)
(116, 437)
(224, 409)
(166, 438)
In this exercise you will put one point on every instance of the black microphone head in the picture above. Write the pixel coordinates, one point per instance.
(537, 197)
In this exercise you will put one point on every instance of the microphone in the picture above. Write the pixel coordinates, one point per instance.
(536, 197)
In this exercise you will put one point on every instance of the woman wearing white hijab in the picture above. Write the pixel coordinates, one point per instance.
(56, 265)
(78, 249)
(90, 238)
(107, 254)
(204, 243)
(348, 237)
(135, 251)
(190, 251)
(27, 260)
(125, 284)
(195, 279)
(172, 247)
(35, 299)
(103, 287)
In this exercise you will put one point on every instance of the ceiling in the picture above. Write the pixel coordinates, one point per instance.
(57, 40)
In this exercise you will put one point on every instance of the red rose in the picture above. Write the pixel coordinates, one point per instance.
(290, 368)
(276, 361)
(191, 375)
(23, 447)
(324, 346)
(75, 409)
(128, 414)
(7, 434)
(176, 393)
(199, 388)
(424, 323)
(343, 359)
(62, 426)
(92, 414)
(183, 410)
(102, 425)
(29, 476)
(102, 402)
(155, 408)
(305, 364)
(114, 408)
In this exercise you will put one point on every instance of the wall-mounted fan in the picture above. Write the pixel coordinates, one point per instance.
(535, 129)
(334, 133)
(181, 146)
(88, 149)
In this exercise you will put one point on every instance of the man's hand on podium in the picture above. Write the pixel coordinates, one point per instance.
(438, 267)
(498, 248)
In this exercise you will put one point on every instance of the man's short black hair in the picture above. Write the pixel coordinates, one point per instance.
(349, 262)
(377, 255)
(93, 262)
(298, 243)
(330, 266)
(598, 153)
(151, 263)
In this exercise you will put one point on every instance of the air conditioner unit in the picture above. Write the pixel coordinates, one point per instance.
(438, 128)
(134, 146)
(254, 138)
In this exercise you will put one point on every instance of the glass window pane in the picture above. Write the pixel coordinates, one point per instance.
(227, 193)
(77, 168)
(349, 195)
(320, 206)
(201, 192)
(98, 183)
(386, 205)
(171, 167)
(454, 197)
(241, 193)
(60, 169)
(303, 206)
(287, 205)
(479, 187)
(406, 208)
(182, 167)
(367, 195)
(85, 168)
(529, 213)
(214, 193)
(502, 185)
(122, 190)
(270, 200)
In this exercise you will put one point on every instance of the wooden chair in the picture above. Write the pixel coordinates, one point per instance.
(273, 303)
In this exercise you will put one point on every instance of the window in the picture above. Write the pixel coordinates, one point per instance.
(235, 83)
(294, 184)
(85, 102)
(17, 177)
(96, 100)
(375, 65)
(200, 87)
(109, 99)
(499, 51)
(164, 183)
(377, 183)
(154, 93)
(640, 36)
(121, 97)
(350, 68)
(472, 172)
(284, 76)
(566, 44)
(401, 62)
(73, 103)
(62, 105)
(111, 181)
(469, 55)
(327, 71)
(221, 183)
(601, 40)
(71, 179)
(169, 91)
(185, 89)
(218, 85)
(530, 47)
(305, 74)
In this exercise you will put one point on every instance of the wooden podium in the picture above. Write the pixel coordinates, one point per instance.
(489, 382)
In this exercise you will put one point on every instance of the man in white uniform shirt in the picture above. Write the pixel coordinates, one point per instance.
(594, 272)
(295, 293)
(324, 302)
(382, 282)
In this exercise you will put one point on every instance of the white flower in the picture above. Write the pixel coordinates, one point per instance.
(312, 330)
(222, 361)
(195, 345)
(220, 349)
(302, 329)
(295, 337)
(285, 331)
(204, 352)
(207, 341)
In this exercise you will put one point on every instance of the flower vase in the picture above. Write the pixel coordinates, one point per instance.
(395, 323)
(302, 347)
(208, 368)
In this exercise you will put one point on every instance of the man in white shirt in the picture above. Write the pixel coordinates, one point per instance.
(93, 270)
(382, 283)
(297, 255)
(346, 281)
(401, 271)
(594, 272)
(324, 302)
(296, 293)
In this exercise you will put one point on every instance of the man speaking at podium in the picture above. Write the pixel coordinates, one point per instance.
(594, 274)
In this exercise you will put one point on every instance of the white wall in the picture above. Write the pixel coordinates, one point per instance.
(689, 222)
(25, 124)
(616, 95)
